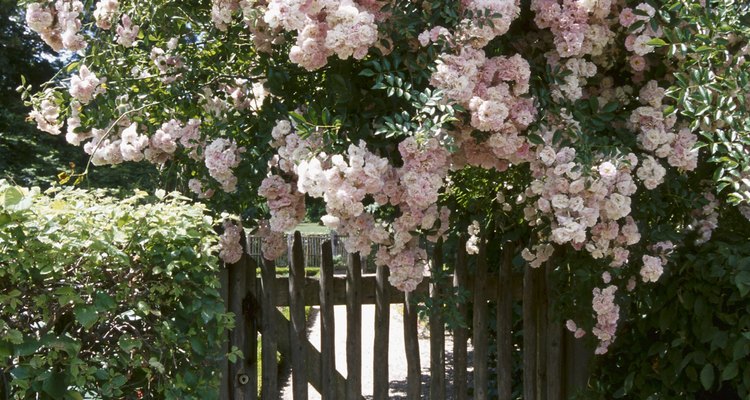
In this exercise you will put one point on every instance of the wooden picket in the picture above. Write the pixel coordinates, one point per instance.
(553, 365)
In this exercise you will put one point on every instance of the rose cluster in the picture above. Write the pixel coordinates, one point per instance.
(607, 314)
(352, 182)
(656, 135)
(230, 249)
(586, 208)
(493, 90)
(324, 28)
(58, 23)
(106, 11)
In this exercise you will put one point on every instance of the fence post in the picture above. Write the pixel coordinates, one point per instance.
(270, 387)
(542, 303)
(354, 327)
(577, 363)
(504, 325)
(240, 382)
(481, 356)
(225, 378)
(437, 328)
(298, 334)
(411, 346)
(251, 306)
(460, 281)
(529, 335)
(554, 340)
(382, 329)
(327, 326)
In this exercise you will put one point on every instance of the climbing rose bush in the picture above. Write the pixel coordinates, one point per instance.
(612, 129)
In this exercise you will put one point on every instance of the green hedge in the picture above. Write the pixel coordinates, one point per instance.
(106, 298)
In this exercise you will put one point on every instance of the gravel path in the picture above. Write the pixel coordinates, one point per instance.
(396, 358)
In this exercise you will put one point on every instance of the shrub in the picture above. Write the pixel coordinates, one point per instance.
(108, 298)
(692, 339)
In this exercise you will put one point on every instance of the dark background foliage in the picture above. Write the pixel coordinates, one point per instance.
(27, 155)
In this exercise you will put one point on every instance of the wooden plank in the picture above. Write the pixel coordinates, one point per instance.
(437, 328)
(542, 302)
(327, 327)
(504, 325)
(354, 327)
(239, 336)
(460, 337)
(311, 289)
(554, 359)
(225, 378)
(554, 336)
(380, 380)
(479, 325)
(270, 380)
(529, 336)
(411, 346)
(252, 309)
(298, 334)
(577, 364)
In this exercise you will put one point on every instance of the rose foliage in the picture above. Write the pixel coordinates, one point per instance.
(108, 298)
(613, 129)
(693, 338)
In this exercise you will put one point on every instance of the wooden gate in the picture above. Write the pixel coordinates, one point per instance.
(554, 365)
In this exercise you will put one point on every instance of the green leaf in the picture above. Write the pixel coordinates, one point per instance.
(55, 384)
(6, 350)
(128, 343)
(73, 395)
(730, 372)
(656, 42)
(740, 350)
(742, 280)
(21, 372)
(27, 348)
(155, 364)
(72, 66)
(86, 316)
(535, 139)
(104, 302)
(14, 199)
(707, 376)
(629, 382)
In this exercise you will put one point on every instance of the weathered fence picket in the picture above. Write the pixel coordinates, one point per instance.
(327, 326)
(411, 347)
(530, 388)
(437, 328)
(479, 326)
(382, 331)
(553, 364)
(504, 324)
(244, 334)
(298, 336)
(225, 383)
(460, 337)
(354, 327)
(268, 332)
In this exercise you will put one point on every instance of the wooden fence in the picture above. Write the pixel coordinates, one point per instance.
(554, 365)
(311, 244)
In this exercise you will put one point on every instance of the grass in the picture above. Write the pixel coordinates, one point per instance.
(311, 228)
